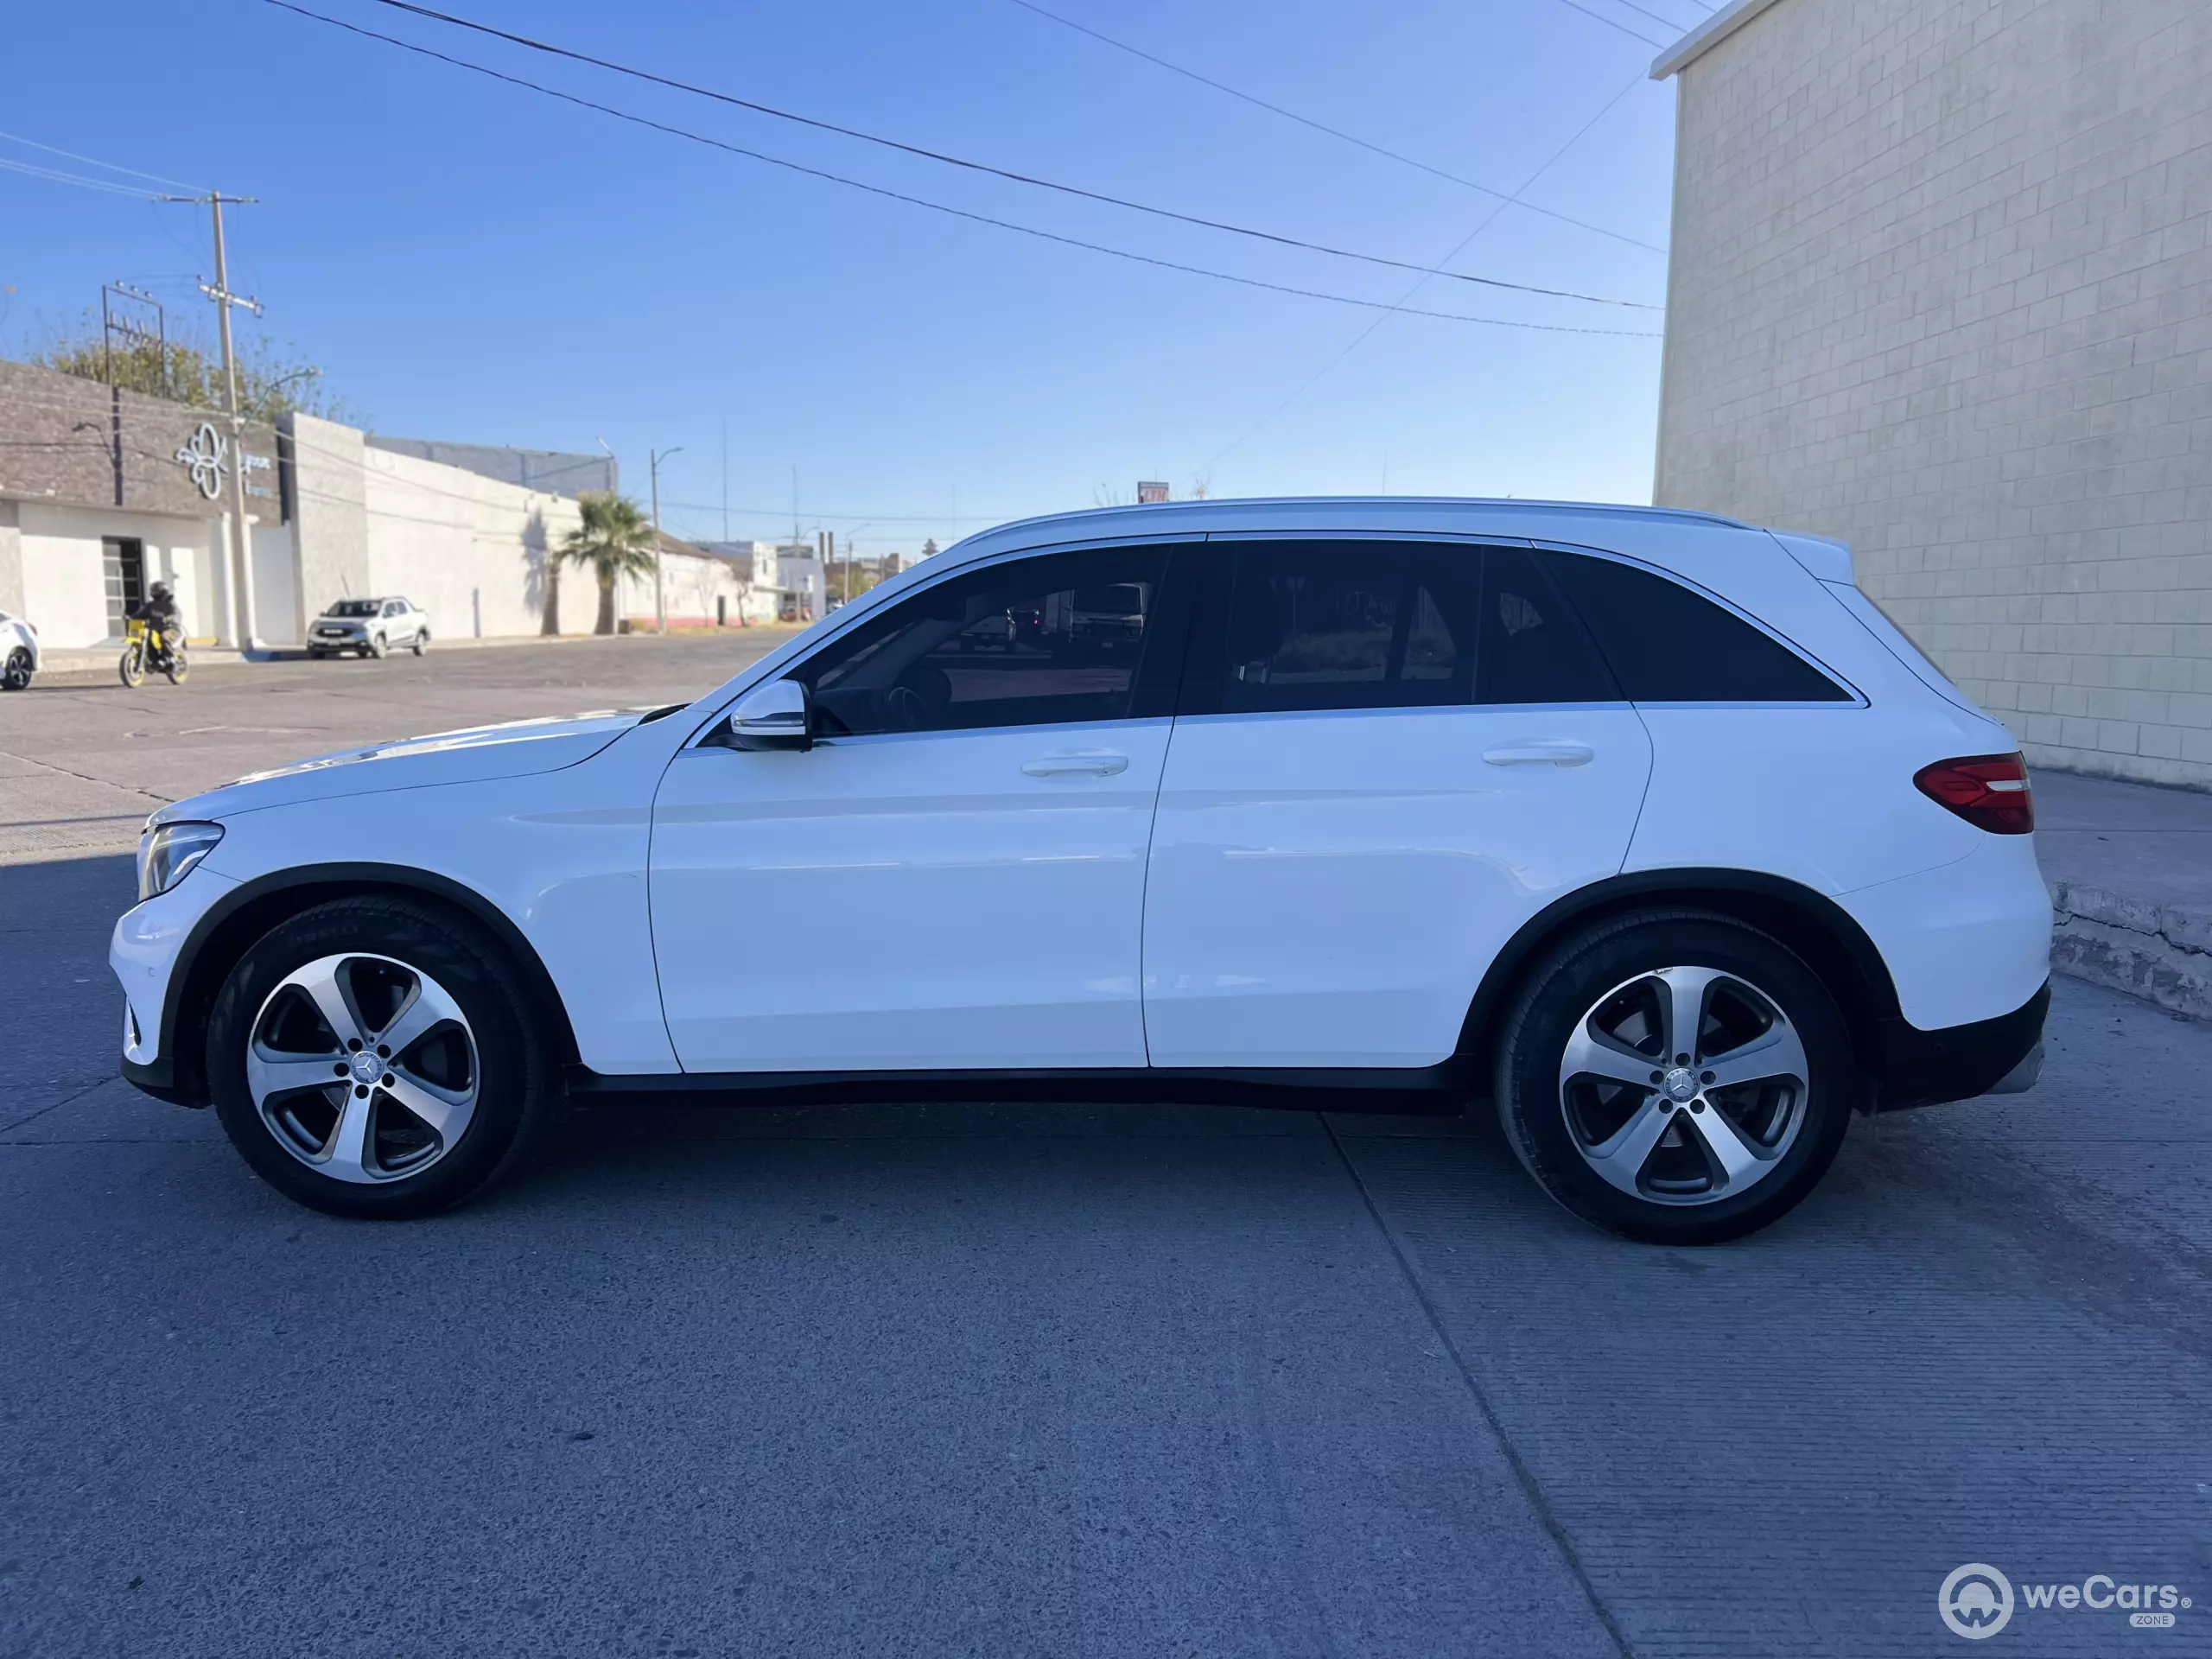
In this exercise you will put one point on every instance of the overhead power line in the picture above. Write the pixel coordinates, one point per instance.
(936, 206)
(57, 176)
(1315, 378)
(1663, 23)
(1324, 127)
(1634, 34)
(1029, 179)
(93, 161)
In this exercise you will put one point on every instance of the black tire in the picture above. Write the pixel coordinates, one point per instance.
(132, 667)
(16, 675)
(518, 1077)
(177, 666)
(1569, 985)
(376, 646)
(422, 640)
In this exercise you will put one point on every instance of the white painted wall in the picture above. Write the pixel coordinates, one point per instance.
(275, 586)
(65, 590)
(470, 550)
(691, 584)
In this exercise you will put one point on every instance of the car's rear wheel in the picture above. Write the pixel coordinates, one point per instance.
(1675, 1077)
(371, 1057)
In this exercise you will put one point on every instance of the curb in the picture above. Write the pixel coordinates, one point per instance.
(2162, 953)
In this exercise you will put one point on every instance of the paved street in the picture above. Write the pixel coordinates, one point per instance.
(1044, 1380)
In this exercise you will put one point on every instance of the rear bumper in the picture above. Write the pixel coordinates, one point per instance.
(1914, 1067)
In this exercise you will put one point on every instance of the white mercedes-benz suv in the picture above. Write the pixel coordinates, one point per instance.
(1645, 825)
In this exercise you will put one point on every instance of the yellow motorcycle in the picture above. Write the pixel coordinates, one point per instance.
(147, 647)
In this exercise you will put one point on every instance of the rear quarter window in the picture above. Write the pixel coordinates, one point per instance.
(1666, 644)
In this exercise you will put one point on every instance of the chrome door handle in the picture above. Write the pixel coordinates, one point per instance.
(1548, 753)
(1095, 763)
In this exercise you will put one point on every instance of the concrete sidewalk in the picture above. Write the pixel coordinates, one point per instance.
(2130, 869)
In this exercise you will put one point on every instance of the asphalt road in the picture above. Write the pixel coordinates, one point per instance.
(1039, 1381)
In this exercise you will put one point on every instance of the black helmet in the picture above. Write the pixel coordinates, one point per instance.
(161, 590)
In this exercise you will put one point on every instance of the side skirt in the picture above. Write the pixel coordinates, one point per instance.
(1431, 1090)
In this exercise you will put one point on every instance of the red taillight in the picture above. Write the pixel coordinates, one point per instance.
(1990, 791)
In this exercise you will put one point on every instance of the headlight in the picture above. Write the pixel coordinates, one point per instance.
(166, 855)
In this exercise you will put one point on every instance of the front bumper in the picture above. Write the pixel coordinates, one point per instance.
(1914, 1067)
(142, 953)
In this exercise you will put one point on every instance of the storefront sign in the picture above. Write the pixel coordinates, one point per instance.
(203, 456)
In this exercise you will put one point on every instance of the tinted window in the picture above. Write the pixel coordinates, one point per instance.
(1031, 642)
(1533, 648)
(1382, 624)
(1666, 644)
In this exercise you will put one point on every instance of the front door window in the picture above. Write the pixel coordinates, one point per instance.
(1057, 641)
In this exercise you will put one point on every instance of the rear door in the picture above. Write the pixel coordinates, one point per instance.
(1387, 756)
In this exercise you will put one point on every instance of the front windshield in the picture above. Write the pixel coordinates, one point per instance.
(353, 608)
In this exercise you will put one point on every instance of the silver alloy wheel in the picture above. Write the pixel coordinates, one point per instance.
(1684, 1086)
(363, 1067)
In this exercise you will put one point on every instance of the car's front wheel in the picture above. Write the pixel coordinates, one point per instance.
(371, 1057)
(422, 640)
(375, 648)
(16, 675)
(1678, 1077)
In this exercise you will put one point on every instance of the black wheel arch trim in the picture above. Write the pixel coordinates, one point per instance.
(229, 926)
(1819, 929)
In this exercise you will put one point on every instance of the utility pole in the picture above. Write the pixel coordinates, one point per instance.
(653, 458)
(245, 634)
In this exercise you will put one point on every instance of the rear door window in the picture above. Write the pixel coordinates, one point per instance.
(1665, 644)
(1299, 627)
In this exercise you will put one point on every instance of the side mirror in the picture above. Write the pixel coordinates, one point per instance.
(772, 717)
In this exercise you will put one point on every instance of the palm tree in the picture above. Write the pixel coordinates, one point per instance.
(616, 539)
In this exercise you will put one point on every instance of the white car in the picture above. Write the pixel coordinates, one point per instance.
(1645, 825)
(368, 627)
(19, 654)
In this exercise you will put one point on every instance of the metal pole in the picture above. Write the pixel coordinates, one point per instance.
(660, 600)
(241, 544)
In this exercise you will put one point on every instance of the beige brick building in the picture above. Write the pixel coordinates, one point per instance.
(1941, 286)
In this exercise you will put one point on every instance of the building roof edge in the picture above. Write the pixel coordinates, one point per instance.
(1707, 35)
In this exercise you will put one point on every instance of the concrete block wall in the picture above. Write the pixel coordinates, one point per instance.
(1941, 286)
(329, 504)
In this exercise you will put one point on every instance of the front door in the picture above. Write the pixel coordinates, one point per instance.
(952, 878)
(1389, 756)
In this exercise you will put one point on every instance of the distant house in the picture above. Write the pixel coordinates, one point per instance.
(784, 581)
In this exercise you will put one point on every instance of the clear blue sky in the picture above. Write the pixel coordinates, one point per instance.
(475, 261)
